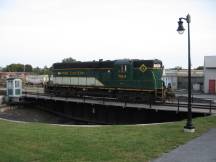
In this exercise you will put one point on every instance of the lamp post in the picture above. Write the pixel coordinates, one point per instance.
(189, 126)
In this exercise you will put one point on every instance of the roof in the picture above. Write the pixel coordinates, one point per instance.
(13, 79)
(183, 73)
(92, 64)
(105, 64)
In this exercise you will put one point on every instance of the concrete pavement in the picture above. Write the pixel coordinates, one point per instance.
(201, 149)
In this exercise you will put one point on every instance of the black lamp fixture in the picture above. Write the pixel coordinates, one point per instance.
(181, 28)
(189, 126)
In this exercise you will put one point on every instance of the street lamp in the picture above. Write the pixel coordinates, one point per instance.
(189, 126)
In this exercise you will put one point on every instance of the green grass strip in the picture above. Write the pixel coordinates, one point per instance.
(35, 142)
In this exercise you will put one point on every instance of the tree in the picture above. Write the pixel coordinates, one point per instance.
(36, 70)
(42, 71)
(199, 68)
(177, 68)
(14, 68)
(28, 68)
(68, 60)
(46, 70)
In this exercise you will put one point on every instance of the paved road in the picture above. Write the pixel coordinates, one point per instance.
(201, 149)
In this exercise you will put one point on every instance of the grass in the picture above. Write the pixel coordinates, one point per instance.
(34, 142)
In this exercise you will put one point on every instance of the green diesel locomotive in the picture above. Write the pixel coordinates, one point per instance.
(130, 80)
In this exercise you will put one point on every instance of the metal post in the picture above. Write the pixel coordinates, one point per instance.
(83, 99)
(150, 104)
(210, 110)
(125, 104)
(189, 126)
(178, 106)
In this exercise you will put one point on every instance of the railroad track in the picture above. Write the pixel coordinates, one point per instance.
(207, 105)
(203, 106)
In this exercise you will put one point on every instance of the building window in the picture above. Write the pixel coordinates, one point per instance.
(10, 84)
(17, 84)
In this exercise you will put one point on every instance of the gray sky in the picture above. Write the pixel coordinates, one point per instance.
(42, 32)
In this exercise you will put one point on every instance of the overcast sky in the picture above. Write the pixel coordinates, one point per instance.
(42, 32)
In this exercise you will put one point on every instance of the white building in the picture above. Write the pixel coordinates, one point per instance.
(178, 79)
(210, 74)
(37, 79)
(14, 87)
(170, 77)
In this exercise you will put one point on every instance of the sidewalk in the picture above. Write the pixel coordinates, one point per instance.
(201, 149)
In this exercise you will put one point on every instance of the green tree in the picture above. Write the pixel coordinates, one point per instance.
(36, 70)
(199, 68)
(28, 68)
(177, 68)
(14, 68)
(41, 71)
(46, 70)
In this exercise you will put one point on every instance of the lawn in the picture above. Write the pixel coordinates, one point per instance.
(35, 142)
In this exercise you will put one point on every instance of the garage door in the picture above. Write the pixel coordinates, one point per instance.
(211, 86)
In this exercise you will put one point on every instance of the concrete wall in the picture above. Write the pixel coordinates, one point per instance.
(210, 61)
(209, 71)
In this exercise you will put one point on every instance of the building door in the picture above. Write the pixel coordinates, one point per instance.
(211, 86)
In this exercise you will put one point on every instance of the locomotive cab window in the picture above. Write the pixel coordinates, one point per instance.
(123, 68)
(157, 66)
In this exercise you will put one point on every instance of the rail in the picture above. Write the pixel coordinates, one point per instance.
(207, 105)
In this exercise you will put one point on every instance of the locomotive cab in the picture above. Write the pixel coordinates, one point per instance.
(122, 70)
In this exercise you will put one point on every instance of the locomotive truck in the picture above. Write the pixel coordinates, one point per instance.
(130, 80)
